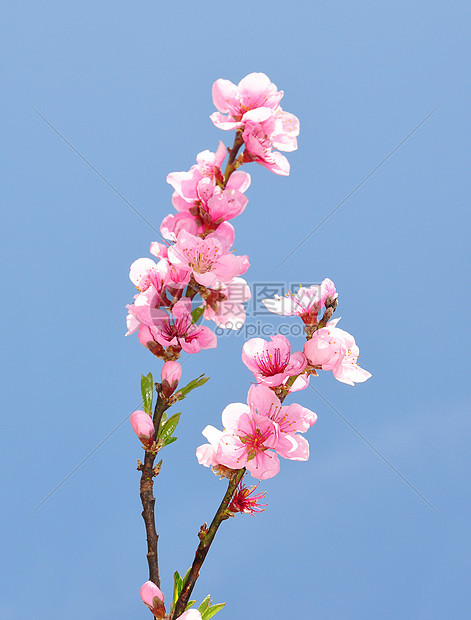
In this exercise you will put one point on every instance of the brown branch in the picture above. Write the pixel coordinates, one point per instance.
(148, 499)
(207, 537)
(231, 163)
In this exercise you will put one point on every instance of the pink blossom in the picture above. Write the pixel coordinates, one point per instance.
(306, 303)
(206, 453)
(245, 502)
(144, 272)
(208, 166)
(290, 420)
(143, 426)
(253, 435)
(173, 224)
(246, 442)
(197, 192)
(171, 374)
(236, 104)
(334, 349)
(259, 149)
(175, 329)
(207, 258)
(224, 304)
(272, 362)
(153, 598)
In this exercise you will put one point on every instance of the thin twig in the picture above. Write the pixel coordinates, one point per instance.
(205, 544)
(148, 499)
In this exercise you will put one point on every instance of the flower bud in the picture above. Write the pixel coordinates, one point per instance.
(153, 598)
(143, 427)
(171, 374)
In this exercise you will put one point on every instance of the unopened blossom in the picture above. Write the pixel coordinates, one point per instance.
(225, 303)
(190, 614)
(153, 598)
(245, 501)
(306, 303)
(143, 426)
(272, 362)
(331, 348)
(170, 375)
(175, 329)
(208, 259)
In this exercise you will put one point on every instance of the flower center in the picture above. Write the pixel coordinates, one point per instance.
(202, 259)
(254, 442)
(271, 362)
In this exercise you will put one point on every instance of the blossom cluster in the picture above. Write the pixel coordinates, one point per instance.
(257, 433)
(196, 256)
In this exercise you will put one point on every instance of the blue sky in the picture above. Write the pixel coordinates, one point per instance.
(128, 84)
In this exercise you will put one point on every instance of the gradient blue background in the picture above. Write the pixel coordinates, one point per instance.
(129, 85)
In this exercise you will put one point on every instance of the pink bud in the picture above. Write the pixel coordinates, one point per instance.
(171, 374)
(143, 427)
(153, 598)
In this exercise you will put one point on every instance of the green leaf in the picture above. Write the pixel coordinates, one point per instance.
(169, 440)
(177, 587)
(189, 604)
(170, 425)
(212, 611)
(205, 604)
(147, 389)
(197, 313)
(201, 380)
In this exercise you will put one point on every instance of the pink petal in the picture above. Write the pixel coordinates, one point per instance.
(293, 447)
(231, 415)
(265, 465)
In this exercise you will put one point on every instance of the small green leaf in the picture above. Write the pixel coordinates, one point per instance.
(177, 587)
(147, 390)
(189, 604)
(201, 380)
(197, 313)
(170, 425)
(212, 611)
(205, 604)
(169, 440)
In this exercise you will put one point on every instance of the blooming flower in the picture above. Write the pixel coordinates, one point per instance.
(253, 435)
(306, 303)
(208, 259)
(253, 108)
(334, 349)
(290, 420)
(175, 329)
(272, 362)
(246, 442)
(153, 598)
(197, 193)
(254, 98)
